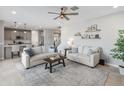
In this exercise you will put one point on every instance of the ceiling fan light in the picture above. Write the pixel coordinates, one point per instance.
(62, 16)
(115, 6)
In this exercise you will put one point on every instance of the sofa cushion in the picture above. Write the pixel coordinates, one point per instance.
(79, 57)
(83, 58)
(41, 56)
(37, 50)
(73, 54)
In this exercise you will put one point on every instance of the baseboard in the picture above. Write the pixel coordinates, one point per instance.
(112, 65)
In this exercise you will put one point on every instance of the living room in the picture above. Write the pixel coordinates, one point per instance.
(71, 31)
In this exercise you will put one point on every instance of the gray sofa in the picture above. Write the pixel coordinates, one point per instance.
(36, 59)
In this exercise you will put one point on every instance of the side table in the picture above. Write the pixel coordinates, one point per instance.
(102, 62)
(66, 49)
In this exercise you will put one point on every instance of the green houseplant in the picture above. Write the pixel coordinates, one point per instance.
(118, 51)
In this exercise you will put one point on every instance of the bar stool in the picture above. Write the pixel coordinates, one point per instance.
(15, 51)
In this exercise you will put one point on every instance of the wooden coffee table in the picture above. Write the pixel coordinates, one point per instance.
(58, 59)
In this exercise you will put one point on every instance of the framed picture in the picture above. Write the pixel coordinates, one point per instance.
(94, 27)
(97, 36)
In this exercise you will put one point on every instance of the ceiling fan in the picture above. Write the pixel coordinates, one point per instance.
(62, 14)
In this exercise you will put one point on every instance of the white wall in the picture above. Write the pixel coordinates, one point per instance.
(108, 24)
(48, 39)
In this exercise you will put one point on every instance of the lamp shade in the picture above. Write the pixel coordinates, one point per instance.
(70, 42)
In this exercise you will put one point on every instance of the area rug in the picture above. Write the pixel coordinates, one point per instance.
(73, 74)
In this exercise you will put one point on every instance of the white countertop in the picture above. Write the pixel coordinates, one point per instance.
(10, 45)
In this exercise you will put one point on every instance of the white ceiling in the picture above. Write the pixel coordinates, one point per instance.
(36, 16)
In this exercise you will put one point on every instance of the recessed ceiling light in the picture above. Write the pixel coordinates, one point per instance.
(115, 6)
(13, 12)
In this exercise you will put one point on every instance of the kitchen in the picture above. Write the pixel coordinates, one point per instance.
(15, 37)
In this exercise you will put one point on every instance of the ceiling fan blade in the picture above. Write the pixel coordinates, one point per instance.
(56, 17)
(53, 13)
(71, 13)
(66, 17)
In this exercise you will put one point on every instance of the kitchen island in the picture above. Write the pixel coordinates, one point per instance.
(8, 49)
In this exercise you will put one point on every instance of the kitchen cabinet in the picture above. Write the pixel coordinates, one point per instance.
(28, 36)
(7, 35)
(11, 35)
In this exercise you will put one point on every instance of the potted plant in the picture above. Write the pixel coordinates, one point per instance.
(118, 51)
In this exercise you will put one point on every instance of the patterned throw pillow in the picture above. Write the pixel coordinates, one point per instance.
(29, 52)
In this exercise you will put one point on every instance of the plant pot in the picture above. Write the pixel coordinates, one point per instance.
(121, 68)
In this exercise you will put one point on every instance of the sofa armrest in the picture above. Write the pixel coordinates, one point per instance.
(94, 59)
(25, 60)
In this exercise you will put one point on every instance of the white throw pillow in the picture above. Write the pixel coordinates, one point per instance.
(90, 52)
(86, 50)
(80, 49)
(95, 49)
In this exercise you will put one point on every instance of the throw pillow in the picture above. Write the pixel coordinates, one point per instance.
(95, 49)
(74, 50)
(86, 50)
(80, 49)
(29, 52)
(90, 52)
